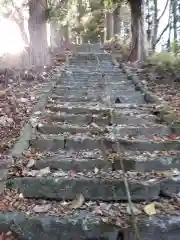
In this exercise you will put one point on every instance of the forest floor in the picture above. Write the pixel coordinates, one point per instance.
(164, 82)
(18, 95)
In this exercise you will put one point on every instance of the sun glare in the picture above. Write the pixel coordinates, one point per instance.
(10, 40)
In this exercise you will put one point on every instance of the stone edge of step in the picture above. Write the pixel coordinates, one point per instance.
(27, 131)
(85, 226)
(53, 187)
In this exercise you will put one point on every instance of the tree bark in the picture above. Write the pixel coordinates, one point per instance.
(108, 28)
(66, 32)
(56, 32)
(155, 26)
(117, 20)
(138, 51)
(135, 18)
(39, 51)
(175, 19)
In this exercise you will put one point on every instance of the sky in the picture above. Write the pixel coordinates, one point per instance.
(11, 41)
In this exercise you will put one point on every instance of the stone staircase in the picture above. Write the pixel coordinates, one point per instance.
(77, 182)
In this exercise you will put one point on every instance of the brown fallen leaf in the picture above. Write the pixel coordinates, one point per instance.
(42, 208)
(77, 202)
(3, 92)
(150, 209)
(6, 236)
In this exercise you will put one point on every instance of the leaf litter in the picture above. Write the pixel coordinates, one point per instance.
(18, 95)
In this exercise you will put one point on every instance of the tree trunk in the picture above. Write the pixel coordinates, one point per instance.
(39, 52)
(66, 32)
(138, 48)
(56, 32)
(155, 26)
(117, 21)
(143, 48)
(175, 19)
(108, 29)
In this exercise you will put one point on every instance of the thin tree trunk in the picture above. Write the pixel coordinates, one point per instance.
(156, 21)
(135, 28)
(155, 26)
(170, 27)
(80, 14)
(117, 20)
(55, 37)
(175, 24)
(66, 32)
(108, 30)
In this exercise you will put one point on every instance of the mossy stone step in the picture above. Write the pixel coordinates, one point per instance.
(59, 188)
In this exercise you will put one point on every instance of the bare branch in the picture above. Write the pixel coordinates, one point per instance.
(160, 36)
(165, 7)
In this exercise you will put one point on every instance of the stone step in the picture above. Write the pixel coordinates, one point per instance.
(81, 224)
(104, 186)
(86, 109)
(122, 131)
(97, 91)
(124, 92)
(135, 97)
(96, 80)
(72, 164)
(85, 73)
(97, 84)
(81, 142)
(73, 98)
(144, 164)
(81, 119)
(88, 224)
(92, 108)
(89, 160)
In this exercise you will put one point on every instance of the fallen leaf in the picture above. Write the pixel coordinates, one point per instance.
(44, 171)
(172, 136)
(96, 170)
(42, 208)
(31, 163)
(78, 202)
(150, 209)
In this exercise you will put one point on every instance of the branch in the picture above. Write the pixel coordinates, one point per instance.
(165, 7)
(164, 30)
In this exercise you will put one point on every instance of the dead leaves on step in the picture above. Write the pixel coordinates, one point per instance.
(68, 206)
